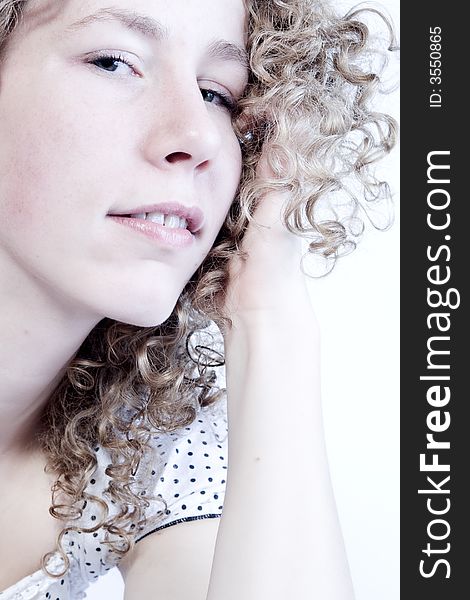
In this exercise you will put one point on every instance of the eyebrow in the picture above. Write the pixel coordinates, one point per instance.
(153, 29)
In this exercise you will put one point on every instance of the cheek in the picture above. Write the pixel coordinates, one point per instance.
(30, 192)
(231, 169)
(226, 184)
(235, 160)
(21, 184)
(56, 156)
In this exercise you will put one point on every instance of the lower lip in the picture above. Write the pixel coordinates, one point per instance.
(175, 237)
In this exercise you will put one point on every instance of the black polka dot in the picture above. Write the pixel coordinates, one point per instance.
(190, 482)
(92, 481)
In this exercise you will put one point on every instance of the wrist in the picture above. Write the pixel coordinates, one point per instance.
(293, 317)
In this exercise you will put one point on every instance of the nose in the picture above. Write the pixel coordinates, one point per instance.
(185, 131)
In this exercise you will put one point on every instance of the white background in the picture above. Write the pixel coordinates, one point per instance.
(358, 309)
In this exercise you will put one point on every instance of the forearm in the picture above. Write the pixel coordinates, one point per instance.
(279, 534)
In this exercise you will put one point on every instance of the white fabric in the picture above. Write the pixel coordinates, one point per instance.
(190, 478)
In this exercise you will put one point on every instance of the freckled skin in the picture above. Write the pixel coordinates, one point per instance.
(78, 142)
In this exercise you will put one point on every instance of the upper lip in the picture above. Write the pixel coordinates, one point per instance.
(193, 215)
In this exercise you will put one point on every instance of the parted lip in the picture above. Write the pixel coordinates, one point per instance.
(193, 215)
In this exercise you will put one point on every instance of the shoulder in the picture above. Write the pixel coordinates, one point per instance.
(190, 470)
(186, 475)
(176, 561)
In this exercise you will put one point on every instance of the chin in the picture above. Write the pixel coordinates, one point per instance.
(143, 313)
(147, 321)
(141, 302)
(141, 317)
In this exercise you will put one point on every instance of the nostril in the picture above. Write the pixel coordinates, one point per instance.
(176, 156)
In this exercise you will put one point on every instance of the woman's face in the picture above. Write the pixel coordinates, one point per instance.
(103, 112)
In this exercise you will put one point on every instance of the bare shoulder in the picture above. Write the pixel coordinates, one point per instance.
(174, 562)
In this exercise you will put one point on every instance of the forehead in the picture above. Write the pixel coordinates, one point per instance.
(166, 18)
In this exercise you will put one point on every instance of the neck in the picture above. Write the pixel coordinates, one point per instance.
(40, 334)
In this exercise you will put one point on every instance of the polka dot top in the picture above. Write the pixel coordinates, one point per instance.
(189, 476)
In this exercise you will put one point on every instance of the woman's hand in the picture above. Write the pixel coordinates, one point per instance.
(270, 280)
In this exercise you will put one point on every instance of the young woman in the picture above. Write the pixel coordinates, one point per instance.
(159, 165)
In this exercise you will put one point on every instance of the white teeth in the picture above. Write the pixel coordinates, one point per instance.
(156, 217)
(172, 221)
(138, 216)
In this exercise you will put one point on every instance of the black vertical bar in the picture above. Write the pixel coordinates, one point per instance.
(434, 265)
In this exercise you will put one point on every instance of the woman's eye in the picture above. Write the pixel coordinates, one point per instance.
(111, 63)
(221, 99)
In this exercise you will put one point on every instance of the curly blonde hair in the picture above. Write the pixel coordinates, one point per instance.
(307, 105)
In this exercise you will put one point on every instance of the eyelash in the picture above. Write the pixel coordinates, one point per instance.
(225, 100)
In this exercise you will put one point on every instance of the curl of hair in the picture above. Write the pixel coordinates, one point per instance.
(307, 106)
